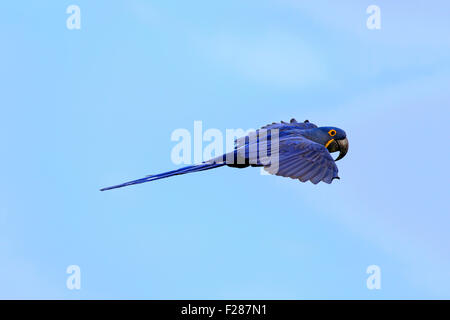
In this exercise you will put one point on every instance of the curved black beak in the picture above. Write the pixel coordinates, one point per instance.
(338, 145)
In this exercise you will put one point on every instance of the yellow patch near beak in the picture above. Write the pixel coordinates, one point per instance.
(328, 143)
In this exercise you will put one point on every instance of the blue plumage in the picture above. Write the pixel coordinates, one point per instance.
(188, 169)
(299, 150)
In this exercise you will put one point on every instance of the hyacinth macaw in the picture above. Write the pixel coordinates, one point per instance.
(301, 151)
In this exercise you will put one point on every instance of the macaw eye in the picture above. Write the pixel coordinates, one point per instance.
(332, 132)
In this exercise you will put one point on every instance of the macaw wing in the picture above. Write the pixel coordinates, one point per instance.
(293, 123)
(303, 159)
(283, 127)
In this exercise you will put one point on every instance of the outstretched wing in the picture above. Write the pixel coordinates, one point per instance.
(303, 159)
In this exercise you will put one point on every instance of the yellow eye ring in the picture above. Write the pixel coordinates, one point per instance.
(332, 132)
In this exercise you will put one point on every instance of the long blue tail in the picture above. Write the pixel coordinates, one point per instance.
(188, 169)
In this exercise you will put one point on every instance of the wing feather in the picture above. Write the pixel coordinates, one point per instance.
(303, 159)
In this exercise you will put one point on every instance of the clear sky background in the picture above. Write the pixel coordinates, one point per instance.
(84, 109)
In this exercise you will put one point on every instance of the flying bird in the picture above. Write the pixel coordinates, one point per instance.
(298, 150)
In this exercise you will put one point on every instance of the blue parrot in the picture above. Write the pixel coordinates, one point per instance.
(298, 150)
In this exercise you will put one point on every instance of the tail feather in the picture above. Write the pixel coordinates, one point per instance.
(188, 169)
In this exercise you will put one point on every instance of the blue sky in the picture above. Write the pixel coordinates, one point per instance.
(84, 109)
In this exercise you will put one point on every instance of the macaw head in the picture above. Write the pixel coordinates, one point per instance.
(334, 139)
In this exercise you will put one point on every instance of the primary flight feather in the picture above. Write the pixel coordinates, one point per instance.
(298, 150)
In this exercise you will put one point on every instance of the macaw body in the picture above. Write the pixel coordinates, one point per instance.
(298, 150)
